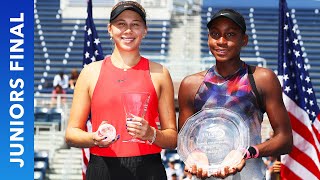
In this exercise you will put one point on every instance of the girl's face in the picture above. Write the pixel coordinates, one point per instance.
(225, 39)
(58, 89)
(127, 31)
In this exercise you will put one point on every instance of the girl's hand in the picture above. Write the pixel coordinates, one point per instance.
(276, 166)
(191, 167)
(139, 128)
(232, 164)
(101, 141)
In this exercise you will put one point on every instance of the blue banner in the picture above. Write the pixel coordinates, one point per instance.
(16, 97)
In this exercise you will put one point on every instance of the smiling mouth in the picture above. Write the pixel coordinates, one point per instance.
(221, 52)
(127, 39)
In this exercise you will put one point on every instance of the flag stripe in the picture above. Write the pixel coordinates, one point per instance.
(293, 165)
(296, 170)
(288, 174)
(303, 131)
(301, 127)
(297, 112)
(84, 163)
(303, 159)
(316, 127)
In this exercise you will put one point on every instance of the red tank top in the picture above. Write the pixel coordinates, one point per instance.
(106, 105)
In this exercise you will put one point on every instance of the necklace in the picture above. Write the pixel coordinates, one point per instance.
(123, 77)
(123, 71)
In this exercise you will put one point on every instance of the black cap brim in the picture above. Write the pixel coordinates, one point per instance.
(117, 11)
(236, 19)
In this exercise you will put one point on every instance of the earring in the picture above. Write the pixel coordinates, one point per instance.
(110, 38)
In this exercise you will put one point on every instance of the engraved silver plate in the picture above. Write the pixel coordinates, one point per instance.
(210, 135)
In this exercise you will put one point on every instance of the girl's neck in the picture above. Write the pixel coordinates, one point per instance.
(226, 69)
(125, 60)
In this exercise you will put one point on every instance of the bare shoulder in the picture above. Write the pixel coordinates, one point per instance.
(157, 68)
(90, 74)
(262, 72)
(187, 91)
(266, 81)
(189, 86)
(92, 68)
(161, 78)
(91, 71)
(159, 73)
(193, 80)
(263, 75)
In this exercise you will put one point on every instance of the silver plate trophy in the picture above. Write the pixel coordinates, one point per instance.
(209, 136)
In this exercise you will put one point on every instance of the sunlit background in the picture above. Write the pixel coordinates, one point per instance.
(177, 38)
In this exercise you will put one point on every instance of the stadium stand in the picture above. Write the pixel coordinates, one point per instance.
(48, 117)
(47, 145)
(41, 114)
(41, 164)
(55, 116)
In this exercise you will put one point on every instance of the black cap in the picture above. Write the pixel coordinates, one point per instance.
(232, 15)
(127, 5)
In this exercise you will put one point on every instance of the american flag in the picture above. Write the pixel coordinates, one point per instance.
(300, 101)
(86, 153)
(92, 51)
